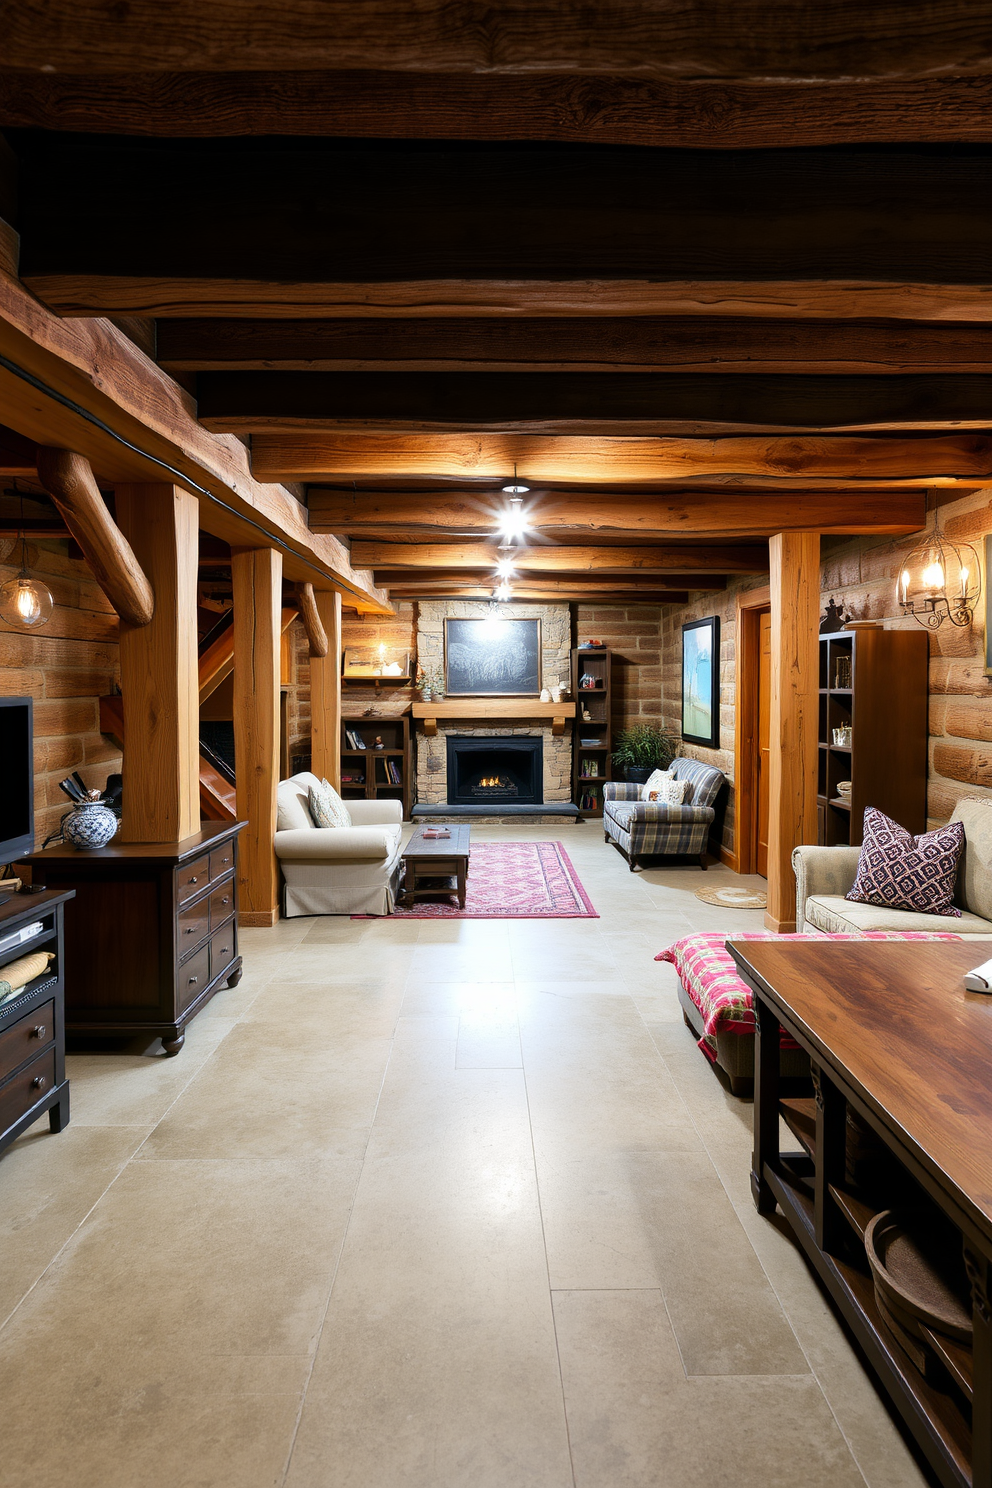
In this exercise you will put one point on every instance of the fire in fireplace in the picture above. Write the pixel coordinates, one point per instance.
(502, 768)
(492, 787)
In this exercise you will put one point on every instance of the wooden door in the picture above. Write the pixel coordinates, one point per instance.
(764, 739)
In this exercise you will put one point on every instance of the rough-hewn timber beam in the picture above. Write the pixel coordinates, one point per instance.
(402, 580)
(587, 344)
(773, 228)
(638, 595)
(705, 113)
(68, 479)
(316, 634)
(553, 559)
(803, 460)
(753, 40)
(93, 371)
(589, 403)
(723, 514)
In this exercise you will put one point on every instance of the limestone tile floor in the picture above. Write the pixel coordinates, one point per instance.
(439, 1205)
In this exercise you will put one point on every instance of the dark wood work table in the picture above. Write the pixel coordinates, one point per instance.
(897, 1042)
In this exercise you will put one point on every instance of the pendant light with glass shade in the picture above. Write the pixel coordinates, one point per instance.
(25, 602)
(940, 580)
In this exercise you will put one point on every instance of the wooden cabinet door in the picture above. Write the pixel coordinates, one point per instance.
(764, 739)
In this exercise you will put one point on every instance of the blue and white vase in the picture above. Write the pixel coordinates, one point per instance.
(90, 825)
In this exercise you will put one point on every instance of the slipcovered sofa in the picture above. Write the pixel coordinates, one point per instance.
(824, 875)
(642, 829)
(337, 870)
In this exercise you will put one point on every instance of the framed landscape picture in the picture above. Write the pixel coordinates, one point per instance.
(701, 682)
(492, 658)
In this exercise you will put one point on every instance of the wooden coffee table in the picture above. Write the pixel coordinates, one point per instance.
(433, 858)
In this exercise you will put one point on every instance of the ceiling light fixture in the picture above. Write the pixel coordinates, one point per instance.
(940, 581)
(25, 602)
(516, 487)
(502, 593)
(513, 524)
(504, 568)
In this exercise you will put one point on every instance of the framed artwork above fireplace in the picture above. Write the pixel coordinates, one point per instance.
(492, 658)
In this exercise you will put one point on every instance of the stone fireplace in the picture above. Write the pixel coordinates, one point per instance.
(486, 770)
(526, 752)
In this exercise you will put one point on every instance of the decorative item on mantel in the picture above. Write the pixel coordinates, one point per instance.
(833, 618)
(940, 581)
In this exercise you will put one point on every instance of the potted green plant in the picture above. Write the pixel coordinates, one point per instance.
(642, 749)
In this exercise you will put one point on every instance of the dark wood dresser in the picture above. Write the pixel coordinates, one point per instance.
(152, 933)
(32, 1022)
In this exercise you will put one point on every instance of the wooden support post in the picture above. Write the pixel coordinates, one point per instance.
(325, 692)
(159, 668)
(256, 575)
(794, 561)
(312, 623)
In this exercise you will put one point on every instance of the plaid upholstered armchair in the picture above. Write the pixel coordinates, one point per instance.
(643, 829)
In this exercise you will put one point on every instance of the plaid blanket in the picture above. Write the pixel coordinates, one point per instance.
(710, 976)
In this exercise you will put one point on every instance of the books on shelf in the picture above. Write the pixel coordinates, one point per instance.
(350, 779)
(355, 740)
(394, 773)
(589, 769)
(589, 800)
(592, 744)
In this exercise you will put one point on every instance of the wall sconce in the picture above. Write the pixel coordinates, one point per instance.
(940, 581)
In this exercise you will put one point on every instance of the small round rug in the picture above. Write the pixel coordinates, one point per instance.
(734, 898)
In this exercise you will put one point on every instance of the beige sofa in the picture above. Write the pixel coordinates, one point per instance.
(824, 875)
(337, 870)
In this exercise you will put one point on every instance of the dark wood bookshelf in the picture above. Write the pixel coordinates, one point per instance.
(367, 774)
(587, 790)
(885, 707)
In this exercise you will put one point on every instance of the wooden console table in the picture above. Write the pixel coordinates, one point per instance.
(153, 931)
(896, 1041)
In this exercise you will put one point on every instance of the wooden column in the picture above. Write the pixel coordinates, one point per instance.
(325, 693)
(159, 682)
(256, 575)
(794, 561)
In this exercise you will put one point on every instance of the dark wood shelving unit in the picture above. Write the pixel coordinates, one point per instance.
(371, 777)
(886, 708)
(587, 790)
(32, 1021)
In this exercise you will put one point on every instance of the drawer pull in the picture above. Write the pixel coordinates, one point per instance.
(38, 1031)
(193, 879)
(225, 950)
(192, 982)
(190, 929)
(225, 900)
(39, 1082)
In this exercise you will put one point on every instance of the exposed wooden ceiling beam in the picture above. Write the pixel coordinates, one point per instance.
(404, 579)
(551, 559)
(797, 460)
(639, 594)
(754, 40)
(608, 230)
(163, 296)
(633, 110)
(691, 344)
(588, 403)
(561, 515)
(89, 388)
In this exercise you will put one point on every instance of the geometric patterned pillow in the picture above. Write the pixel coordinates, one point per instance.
(327, 807)
(669, 791)
(899, 871)
(654, 783)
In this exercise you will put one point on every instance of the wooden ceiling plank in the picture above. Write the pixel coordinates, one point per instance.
(642, 595)
(635, 110)
(801, 459)
(690, 344)
(723, 515)
(523, 580)
(552, 559)
(754, 41)
(162, 297)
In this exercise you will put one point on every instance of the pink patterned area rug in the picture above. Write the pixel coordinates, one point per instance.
(511, 881)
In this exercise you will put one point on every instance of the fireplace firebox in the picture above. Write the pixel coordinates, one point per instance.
(504, 771)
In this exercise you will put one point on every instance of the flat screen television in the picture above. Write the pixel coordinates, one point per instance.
(16, 778)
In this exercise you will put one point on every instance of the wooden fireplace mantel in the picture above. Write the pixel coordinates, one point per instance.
(493, 708)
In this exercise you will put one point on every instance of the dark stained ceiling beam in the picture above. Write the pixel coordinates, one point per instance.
(797, 460)
(495, 229)
(581, 518)
(638, 595)
(637, 403)
(635, 110)
(671, 560)
(751, 40)
(688, 344)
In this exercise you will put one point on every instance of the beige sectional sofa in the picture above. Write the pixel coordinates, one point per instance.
(337, 870)
(824, 875)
